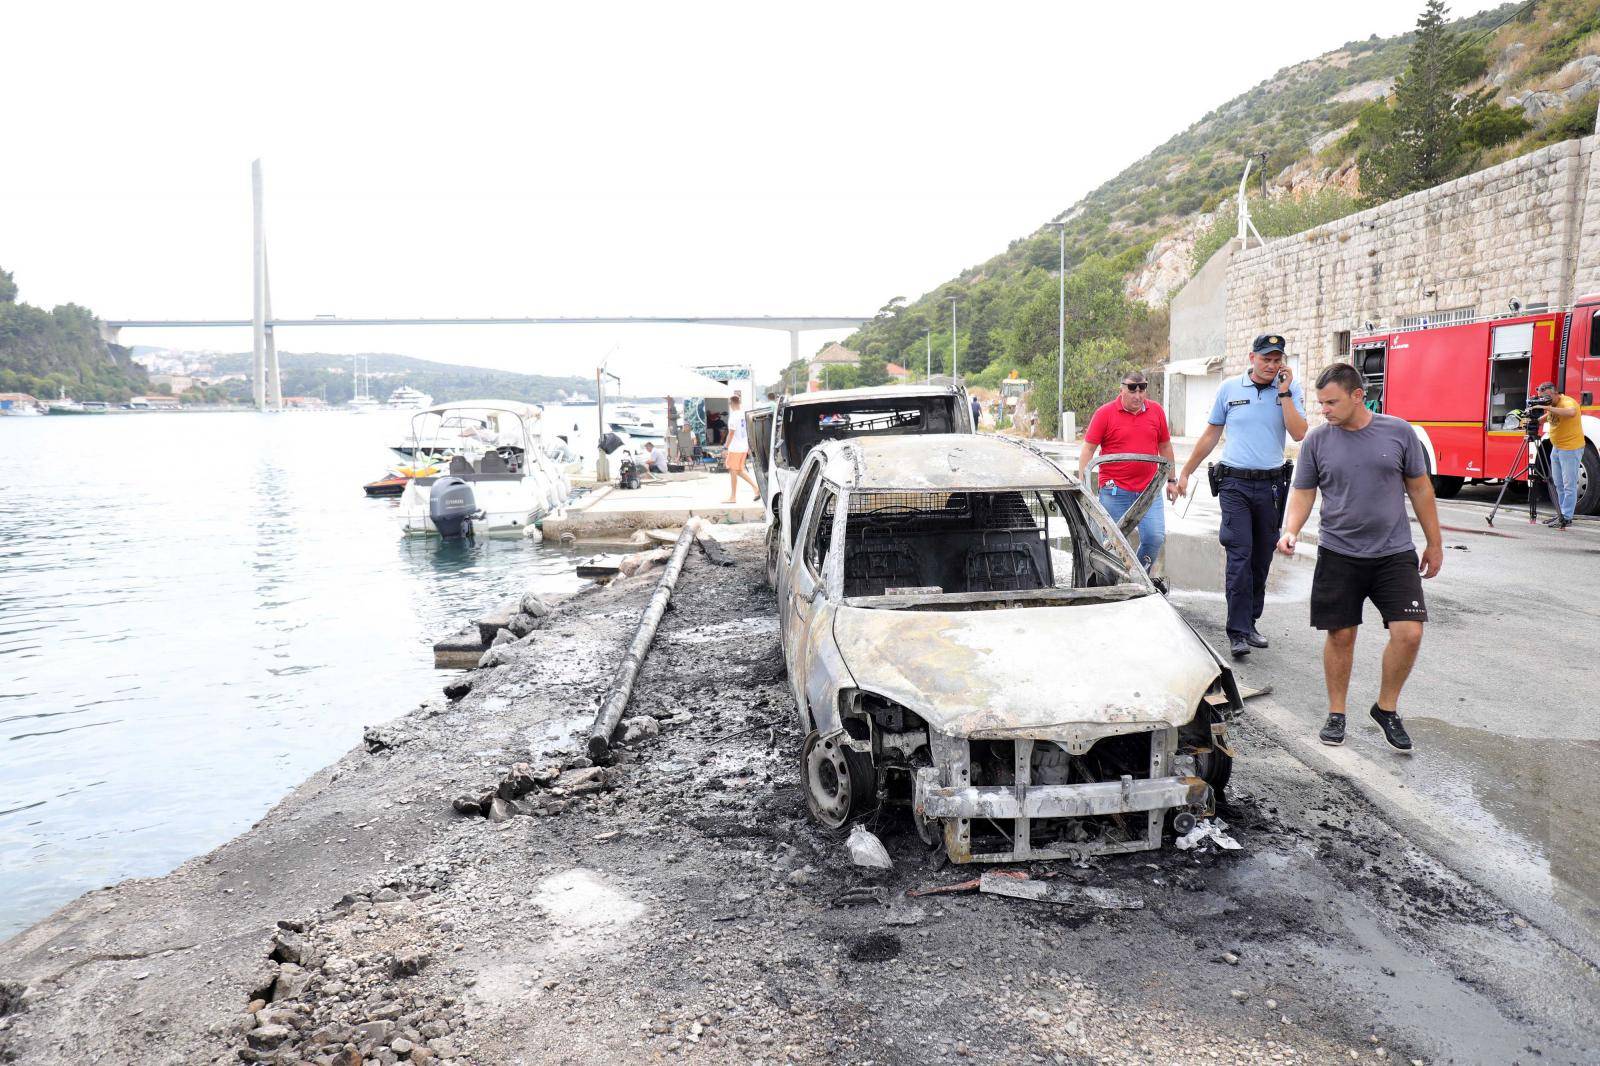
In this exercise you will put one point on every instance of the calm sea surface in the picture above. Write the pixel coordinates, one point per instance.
(196, 612)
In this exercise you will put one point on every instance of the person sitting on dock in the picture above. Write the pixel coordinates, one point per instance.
(655, 459)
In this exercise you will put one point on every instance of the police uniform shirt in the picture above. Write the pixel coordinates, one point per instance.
(1253, 417)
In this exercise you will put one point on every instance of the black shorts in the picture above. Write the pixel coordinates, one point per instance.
(1342, 582)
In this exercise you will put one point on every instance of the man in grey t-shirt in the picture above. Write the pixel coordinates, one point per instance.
(1366, 465)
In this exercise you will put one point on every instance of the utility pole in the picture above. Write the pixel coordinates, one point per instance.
(1061, 336)
(929, 334)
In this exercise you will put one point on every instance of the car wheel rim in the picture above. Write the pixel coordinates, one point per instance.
(828, 785)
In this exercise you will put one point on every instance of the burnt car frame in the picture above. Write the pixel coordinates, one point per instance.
(967, 633)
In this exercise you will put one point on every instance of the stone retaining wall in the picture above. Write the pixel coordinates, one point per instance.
(1528, 229)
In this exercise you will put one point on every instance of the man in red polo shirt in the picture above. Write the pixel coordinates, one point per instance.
(1131, 423)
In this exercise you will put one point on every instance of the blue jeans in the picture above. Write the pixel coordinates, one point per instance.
(1152, 527)
(1564, 466)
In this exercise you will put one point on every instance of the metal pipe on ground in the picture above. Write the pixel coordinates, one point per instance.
(616, 699)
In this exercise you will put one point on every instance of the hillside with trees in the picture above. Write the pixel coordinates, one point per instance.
(56, 352)
(330, 378)
(1363, 124)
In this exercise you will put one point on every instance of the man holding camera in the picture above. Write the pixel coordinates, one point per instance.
(1561, 413)
(1365, 465)
(1259, 409)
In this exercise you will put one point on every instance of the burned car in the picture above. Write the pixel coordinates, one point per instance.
(783, 434)
(968, 634)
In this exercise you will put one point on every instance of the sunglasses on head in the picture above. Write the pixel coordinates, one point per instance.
(1136, 386)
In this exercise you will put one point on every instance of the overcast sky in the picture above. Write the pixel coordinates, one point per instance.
(586, 159)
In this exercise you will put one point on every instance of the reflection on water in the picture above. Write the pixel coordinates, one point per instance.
(196, 612)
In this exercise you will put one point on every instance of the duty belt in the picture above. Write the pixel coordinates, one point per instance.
(1224, 470)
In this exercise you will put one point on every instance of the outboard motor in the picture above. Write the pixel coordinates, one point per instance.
(452, 507)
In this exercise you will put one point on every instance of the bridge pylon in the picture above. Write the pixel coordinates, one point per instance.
(266, 386)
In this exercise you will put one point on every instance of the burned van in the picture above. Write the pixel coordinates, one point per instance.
(783, 434)
(968, 634)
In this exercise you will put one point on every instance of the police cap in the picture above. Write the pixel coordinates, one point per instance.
(1267, 342)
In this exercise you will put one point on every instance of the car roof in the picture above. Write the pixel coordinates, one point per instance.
(880, 392)
(930, 462)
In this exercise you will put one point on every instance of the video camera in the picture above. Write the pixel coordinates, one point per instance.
(1537, 401)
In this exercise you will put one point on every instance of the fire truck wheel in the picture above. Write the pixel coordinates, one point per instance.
(1589, 482)
(1447, 487)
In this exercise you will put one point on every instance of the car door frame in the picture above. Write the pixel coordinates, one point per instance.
(761, 425)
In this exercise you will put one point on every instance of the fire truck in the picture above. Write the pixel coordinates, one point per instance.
(1463, 387)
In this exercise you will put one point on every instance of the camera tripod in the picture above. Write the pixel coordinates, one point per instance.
(1527, 461)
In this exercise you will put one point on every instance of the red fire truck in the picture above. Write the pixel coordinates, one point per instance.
(1463, 388)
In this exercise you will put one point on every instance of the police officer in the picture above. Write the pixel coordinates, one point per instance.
(1258, 408)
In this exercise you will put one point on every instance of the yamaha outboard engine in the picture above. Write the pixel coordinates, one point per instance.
(452, 507)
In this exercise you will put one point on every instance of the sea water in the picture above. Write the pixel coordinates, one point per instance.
(197, 611)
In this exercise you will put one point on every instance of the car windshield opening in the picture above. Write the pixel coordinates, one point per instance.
(942, 543)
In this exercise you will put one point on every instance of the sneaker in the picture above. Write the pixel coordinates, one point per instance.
(1239, 647)
(1564, 524)
(1332, 730)
(1553, 522)
(1394, 730)
(1161, 585)
(1255, 639)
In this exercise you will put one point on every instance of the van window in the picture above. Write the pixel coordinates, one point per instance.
(806, 425)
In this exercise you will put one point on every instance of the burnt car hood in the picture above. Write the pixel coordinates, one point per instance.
(1031, 671)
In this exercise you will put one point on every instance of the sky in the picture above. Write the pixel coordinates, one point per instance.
(586, 159)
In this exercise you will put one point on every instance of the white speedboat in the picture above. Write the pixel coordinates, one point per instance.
(500, 457)
(405, 398)
(634, 426)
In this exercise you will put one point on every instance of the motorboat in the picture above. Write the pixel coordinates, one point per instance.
(366, 403)
(405, 398)
(500, 480)
(634, 426)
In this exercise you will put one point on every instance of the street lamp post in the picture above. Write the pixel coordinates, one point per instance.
(955, 362)
(1061, 334)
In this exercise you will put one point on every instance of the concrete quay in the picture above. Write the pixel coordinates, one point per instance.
(611, 515)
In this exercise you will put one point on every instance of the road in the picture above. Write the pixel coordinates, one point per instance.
(1503, 704)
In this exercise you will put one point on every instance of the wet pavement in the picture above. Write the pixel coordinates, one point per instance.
(1502, 704)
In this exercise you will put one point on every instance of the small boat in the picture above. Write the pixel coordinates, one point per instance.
(395, 481)
(388, 485)
(501, 481)
(405, 398)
